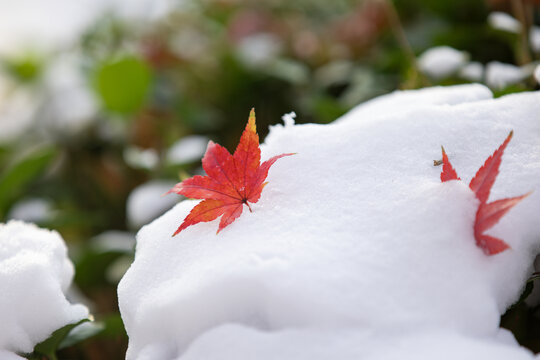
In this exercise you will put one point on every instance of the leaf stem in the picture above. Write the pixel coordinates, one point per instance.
(534, 276)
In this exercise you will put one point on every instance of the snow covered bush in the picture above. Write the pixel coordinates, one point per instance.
(35, 274)
(356, 250)
(146, 202)
(441, 61)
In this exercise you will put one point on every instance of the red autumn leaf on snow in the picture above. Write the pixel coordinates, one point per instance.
(231, 181)
(448, 172)
(488, 214)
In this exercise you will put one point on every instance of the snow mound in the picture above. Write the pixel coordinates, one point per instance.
(500, 75)
(7, 355)
(355, 249)
(239, 342)
(139, 158)
(188, 149)
(35, 273)
(17, 109)
(534, 38)
(71, 107)
(32, 210)
(502, 21)
(473, 71)
(146, 202)
(400, 102)
(441, 61)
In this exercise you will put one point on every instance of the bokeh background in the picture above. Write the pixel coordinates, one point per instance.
(106, 104)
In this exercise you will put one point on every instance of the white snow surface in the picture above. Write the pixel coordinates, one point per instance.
(356, 250)
(441, 61)
(7, 355)
(35, 274)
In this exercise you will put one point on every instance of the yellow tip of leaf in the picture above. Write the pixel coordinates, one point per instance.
(251, 122)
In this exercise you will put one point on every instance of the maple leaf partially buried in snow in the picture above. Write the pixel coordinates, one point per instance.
(488, 214)
(232, 181)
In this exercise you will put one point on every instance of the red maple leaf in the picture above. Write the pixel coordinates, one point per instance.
(488, 214)
(231, 181)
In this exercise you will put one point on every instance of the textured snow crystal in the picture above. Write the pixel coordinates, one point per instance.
(355, 250)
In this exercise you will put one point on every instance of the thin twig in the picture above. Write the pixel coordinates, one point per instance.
(401, 38)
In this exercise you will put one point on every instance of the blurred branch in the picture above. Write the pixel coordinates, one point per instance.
(520, 12)
(417, 79)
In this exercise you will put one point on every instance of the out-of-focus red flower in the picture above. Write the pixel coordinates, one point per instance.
(361, 29)
(157, 53)
(249, 22)
(305, 44)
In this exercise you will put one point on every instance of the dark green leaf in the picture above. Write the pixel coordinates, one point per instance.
(16, 177)
(48, 347)
(91, 268)
(114, 326)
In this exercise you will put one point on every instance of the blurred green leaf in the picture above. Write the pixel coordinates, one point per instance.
(327, 109)
(16, 177)
(25, 68)
(4, 154)
(48, 347)
(114, 326)
(509, 90)
(123, 84)
(80, 333)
